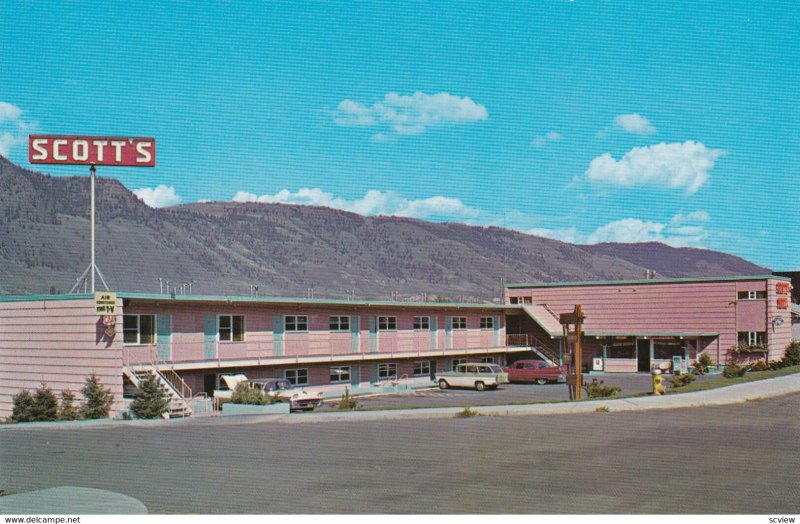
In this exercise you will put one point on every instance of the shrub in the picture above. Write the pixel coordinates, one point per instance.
(791, 356)
(759, 365)
(733, 370)
(598, 390)
(246, 394)
(680, 380)
(23, 407)
(45, 404)
(347, 401)
(702, 363)
(777, 364)
(42, 405)
(602, 409)
(68, 411)
(149, 400)
(467, 412)
(98, 399)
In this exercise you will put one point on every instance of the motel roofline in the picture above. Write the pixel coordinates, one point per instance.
(645, 281)
(267, 300)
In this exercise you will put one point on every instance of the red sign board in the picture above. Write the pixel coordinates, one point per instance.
(92, 150)
(782, 288)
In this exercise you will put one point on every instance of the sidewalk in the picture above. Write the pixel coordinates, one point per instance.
(734, 394)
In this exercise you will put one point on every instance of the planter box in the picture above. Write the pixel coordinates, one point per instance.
(280, 408)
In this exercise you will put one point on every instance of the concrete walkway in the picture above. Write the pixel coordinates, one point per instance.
(759, 389)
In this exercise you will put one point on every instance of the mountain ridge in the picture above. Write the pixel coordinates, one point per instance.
(293, 250)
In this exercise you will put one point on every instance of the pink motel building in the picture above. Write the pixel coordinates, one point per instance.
(637, 325)
(191, 340)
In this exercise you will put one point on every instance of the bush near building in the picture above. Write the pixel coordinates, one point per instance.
(681, 379)
(40, 406)
(599, 390)
(791, 356)
(245, 394)
(68, 410)
(98, 399)
(149, 400)
(702, 363)
(734, 370)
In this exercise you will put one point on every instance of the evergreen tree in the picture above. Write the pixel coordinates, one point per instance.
(68, 411)
(149, 400)
(45, 404)
(98, 398)
(23, 407)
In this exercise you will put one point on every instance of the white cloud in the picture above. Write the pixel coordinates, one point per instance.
(630, 230)
(541, 141)
(635, 123)
(372, 203)
(160, 196)
(13, 129)
(410, 114)
(676, 165)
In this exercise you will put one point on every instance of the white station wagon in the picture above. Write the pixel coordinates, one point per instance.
(473, 375)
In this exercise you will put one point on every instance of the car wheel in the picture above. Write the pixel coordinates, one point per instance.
(480, 386)
(443, 384)
(541, 381)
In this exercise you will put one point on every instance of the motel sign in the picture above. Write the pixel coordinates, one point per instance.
(92, 150)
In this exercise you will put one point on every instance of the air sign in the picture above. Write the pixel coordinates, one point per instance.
(92, 150)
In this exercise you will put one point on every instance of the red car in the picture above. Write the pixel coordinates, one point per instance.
(539, 371)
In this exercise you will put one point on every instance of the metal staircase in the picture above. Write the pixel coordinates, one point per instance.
(175, 389)
(545, 352)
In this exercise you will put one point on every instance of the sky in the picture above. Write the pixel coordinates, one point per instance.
(584, 121)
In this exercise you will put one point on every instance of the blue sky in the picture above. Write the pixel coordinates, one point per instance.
(585, 121)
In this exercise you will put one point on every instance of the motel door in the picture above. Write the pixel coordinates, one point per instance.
(643, 350)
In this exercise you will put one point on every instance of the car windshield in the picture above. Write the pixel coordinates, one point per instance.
(496, 369)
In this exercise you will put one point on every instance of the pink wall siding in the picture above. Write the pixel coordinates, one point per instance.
(187, 343)
(58, 342)
(672, 307)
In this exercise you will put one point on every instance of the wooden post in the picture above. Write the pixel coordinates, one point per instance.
(578, 355)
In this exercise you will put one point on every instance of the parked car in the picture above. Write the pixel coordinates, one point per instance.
(227, 385)
(284, 391)
(538, 371)
(473, 375)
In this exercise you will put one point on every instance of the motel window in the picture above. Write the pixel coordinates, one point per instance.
(387, 323)
(520, 300)
(513, 300)
(487, 322)
(138, 329)
(296, 323)
(231, 328)
(752, 338)
(298, 377)
(459, 322)
(457, 361)
(751, 295)
(387, 371)
(340, 374)
(487, 360)
(668, 348)
(621, 348)
(339, 323)
(422, 322)
(422, 368)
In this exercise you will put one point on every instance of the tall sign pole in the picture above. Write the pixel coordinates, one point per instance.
(575, 377)
(91, 151)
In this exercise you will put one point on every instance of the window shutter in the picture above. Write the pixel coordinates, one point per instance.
(355, 332)
(355, 375)
(373, 335)
(448, 333)
(497, 332)
(373, 373)
(164, 337)
(434, 332)
(210, 336)
(277, 335)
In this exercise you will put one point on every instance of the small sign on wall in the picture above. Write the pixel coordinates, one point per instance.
(105, 303)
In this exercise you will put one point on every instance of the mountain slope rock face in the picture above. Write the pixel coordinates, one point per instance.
(289, 250)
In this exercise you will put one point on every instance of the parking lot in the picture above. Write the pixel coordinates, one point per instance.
(507, 394)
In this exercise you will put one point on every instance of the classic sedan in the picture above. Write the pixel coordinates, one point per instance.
(538, 371)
